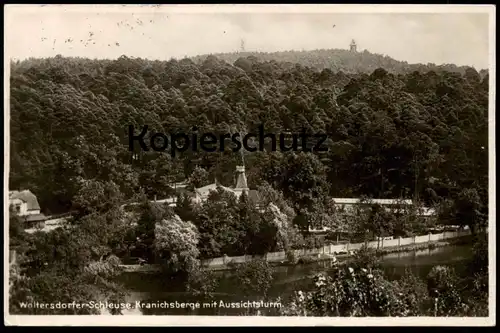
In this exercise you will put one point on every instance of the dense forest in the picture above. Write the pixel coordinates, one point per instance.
(419, 135)
(422, 134)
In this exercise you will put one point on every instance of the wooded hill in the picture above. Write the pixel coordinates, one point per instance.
(396, 135)
(340, 60)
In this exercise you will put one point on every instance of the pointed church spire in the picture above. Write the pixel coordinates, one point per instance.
(242, 157)
(241, 150)
(241, 180)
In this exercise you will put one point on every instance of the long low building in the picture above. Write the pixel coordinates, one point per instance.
(349, 204)
(346, 206)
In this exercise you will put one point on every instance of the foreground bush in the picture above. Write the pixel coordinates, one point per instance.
(255, 277)
(350, 293)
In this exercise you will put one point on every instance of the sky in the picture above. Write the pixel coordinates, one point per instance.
(154, 32)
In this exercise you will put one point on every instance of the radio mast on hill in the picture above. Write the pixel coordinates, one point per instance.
(242, 45)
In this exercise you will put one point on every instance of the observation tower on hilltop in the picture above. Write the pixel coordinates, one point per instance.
(353, 46)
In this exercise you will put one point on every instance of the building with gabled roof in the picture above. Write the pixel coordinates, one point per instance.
(202, 193)
(26, 206)
(241, 186)
(24, 202)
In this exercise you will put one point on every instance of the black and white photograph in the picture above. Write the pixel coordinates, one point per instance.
(249, 165)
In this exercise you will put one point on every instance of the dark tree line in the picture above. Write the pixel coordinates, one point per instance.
(340, 60)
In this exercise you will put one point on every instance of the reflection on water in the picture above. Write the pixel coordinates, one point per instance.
(152, 289)
(421, 262)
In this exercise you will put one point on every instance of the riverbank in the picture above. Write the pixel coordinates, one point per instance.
(463, 240)
(317, 257)
(286, 280)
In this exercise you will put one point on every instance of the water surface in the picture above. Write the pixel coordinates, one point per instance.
(150, 288)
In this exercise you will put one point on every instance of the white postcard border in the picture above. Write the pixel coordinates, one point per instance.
(81, 320)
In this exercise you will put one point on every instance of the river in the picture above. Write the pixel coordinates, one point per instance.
(149, 288)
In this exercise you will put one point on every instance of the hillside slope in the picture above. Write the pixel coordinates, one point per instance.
(340, 60)
(389, 135)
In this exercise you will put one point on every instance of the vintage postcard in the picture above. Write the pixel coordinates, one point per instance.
(249, 165)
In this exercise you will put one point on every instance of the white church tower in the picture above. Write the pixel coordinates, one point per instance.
(241, 181)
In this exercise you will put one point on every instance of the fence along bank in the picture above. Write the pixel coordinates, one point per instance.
(327, 250)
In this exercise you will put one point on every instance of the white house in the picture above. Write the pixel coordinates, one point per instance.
(24, 202)
(26, 206)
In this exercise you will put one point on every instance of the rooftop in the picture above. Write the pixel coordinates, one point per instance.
(34, 218)
(254, 196)
(205, 190)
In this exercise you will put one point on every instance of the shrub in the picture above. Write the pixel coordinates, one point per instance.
(365, 257)
(443, 287)
(414, 294)
(306, 259)
(479, 261)
(349, 292)
(202, 282)
(175, 244)
(290, 257)
(314, 241)
(254, 277)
